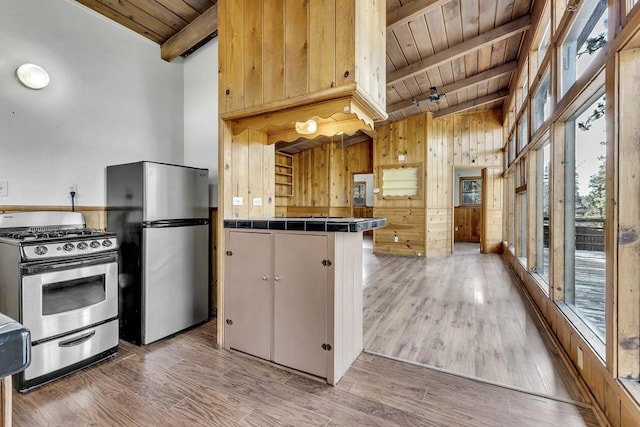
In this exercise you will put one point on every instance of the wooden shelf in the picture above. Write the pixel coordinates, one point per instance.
(284, 175)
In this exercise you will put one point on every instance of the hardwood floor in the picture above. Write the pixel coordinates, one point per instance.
(184, 381)
(463, 313)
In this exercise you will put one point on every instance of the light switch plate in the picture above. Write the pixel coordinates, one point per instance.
(376, 190)
(401, 157)
(237, 201)
(257, 201)
(4, 188)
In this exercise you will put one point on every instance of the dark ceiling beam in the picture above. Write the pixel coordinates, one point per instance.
(478, 102)
(410, 11)
(492, 73)
(485, 39)
(199, 30)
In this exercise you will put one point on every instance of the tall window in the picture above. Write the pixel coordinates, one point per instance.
(543, 174)
(587, 36)
(521, 209)
(585, 261)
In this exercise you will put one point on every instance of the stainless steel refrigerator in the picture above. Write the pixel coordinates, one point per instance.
(160, 214)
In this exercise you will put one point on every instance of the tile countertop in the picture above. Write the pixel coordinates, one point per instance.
(342, 225)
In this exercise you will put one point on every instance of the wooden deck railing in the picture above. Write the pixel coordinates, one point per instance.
(589, 234)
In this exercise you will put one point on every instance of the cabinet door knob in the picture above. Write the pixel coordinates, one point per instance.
(265, 278)
(277, 278)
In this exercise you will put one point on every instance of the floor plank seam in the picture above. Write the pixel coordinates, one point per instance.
(484, 381)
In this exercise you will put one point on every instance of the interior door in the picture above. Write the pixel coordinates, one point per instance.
(248, 293)
(300, 302)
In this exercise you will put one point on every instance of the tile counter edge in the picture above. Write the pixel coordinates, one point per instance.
(340, 225)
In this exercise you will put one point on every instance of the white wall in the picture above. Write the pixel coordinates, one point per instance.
(456, 183)
(368, 179)
(201, 113)
(111, 100)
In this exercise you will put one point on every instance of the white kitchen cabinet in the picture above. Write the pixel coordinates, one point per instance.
(250, 272)
(295, 298)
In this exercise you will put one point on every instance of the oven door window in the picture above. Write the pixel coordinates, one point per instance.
(74, 294)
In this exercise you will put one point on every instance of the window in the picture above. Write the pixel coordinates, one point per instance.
(512, 148)
(523, 88)
(543, 174)
(541, 102)
(587, 36)
(401, 182)
(523, 131)
(585, 261)
(470, 191)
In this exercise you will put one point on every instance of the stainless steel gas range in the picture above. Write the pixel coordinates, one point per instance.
(60, 280)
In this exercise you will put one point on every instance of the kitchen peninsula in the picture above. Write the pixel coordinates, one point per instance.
(294, 291)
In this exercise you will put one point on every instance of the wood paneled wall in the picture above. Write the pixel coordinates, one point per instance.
(249, 166)
(282, 51)
(323, 178)
(424, 225)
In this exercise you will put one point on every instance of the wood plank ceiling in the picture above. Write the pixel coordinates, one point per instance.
(465, 49)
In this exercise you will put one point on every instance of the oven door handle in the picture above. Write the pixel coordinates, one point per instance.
(77, 340)
(68, 264)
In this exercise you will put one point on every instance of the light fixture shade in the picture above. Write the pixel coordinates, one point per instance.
(307, 128)
(32, 76)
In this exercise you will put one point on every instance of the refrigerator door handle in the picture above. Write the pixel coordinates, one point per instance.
(166, 223)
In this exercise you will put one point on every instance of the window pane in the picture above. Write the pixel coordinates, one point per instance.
(587, 36)
(471, 189)
(542, 102)
(523, 224)
(512, 148)
(544, 44)
(542, 238)
(585, 262)
(523, 137)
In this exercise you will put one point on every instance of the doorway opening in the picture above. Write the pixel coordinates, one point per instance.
(467, 210)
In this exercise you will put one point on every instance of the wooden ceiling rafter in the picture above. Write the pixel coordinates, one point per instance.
(468, 105)
(411, 11)
(488, 38)
(199, 30)
(474, 80)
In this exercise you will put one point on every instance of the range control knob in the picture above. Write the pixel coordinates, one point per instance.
(82, 246)
(95, 244)
(41, 250)
(107, 243)
(68, 247)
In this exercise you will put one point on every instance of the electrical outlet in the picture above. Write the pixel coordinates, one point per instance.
(395, 238)
(4, 188)
(73, 188)
(257, 201)
(580, 358)
(376, 190)
(238, 201)
(401, 158)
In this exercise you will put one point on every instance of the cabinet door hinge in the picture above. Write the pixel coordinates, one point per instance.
(326, 347)
(229, 253)
(229, 322)
(326, 262)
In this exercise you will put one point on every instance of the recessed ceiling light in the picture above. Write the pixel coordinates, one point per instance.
(32, 76)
